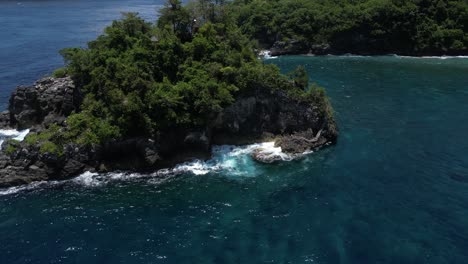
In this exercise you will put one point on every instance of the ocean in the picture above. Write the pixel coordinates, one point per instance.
(394, 189)
(32, 32)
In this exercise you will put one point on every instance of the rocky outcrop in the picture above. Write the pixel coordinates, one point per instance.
(297, 126)
(305, 141)
(291, 47)
(296, 47)
(28, 164)
(271, 115)
(48, 101)
(5, 120)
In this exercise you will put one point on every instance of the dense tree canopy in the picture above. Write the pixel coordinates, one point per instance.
(415, 27)
(140, 79)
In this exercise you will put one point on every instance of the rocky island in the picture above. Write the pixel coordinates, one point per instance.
(410, 28)
(143, 97)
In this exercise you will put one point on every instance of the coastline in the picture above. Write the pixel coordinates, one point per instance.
(233, 159)
(295, 125)
(267, 55)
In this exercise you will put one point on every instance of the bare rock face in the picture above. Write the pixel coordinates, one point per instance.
(5, 120)
(302, 142)
(271, 115)
(27, 164)
(292, 47)
(48, 101)
(268, 157)
(296, 126)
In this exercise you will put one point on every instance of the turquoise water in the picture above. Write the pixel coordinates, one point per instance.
(393, 190)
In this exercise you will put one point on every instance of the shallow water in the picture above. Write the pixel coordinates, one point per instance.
(394, 189)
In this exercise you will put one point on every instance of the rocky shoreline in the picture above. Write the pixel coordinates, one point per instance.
(293, 125)
(295, 47)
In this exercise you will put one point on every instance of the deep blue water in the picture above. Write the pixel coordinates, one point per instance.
(394, 189)
(32, 32)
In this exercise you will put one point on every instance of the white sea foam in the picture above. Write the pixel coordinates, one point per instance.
(12, 134)
(21, 135)
(88, 179)
(235, 161)
(92, 179)
(431, 57)
(29, 187)
(266, 55)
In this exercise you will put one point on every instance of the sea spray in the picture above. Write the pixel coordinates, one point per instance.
(12, 134)
(234, 161)
(266, 55)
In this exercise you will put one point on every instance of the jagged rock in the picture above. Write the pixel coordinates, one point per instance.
(268, 113)
(263, 156)
(48, 101)
(291, 47)
(320, 49)
(5, 119)
(132, 153)
(295, 125)
(198, 140)
(301, 142)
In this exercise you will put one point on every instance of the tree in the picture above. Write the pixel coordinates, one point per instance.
(178, 18)
(300, 77)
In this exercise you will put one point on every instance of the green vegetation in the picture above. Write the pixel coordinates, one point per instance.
(49, 141)
(140, 79)
(60, 73)
(414, 27)
(10, 146)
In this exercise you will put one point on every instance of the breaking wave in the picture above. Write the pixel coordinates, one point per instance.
(12, 134)
(235, 161)
(266, 55)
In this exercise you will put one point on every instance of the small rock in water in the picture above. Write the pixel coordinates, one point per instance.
(264, 156)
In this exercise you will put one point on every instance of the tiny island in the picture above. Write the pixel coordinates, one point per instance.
(146, 96)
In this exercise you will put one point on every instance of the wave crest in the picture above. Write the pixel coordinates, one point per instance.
(234, 161)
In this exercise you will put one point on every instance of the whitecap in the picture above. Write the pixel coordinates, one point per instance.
(88, 179)
(232, 161)
(29, 187)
